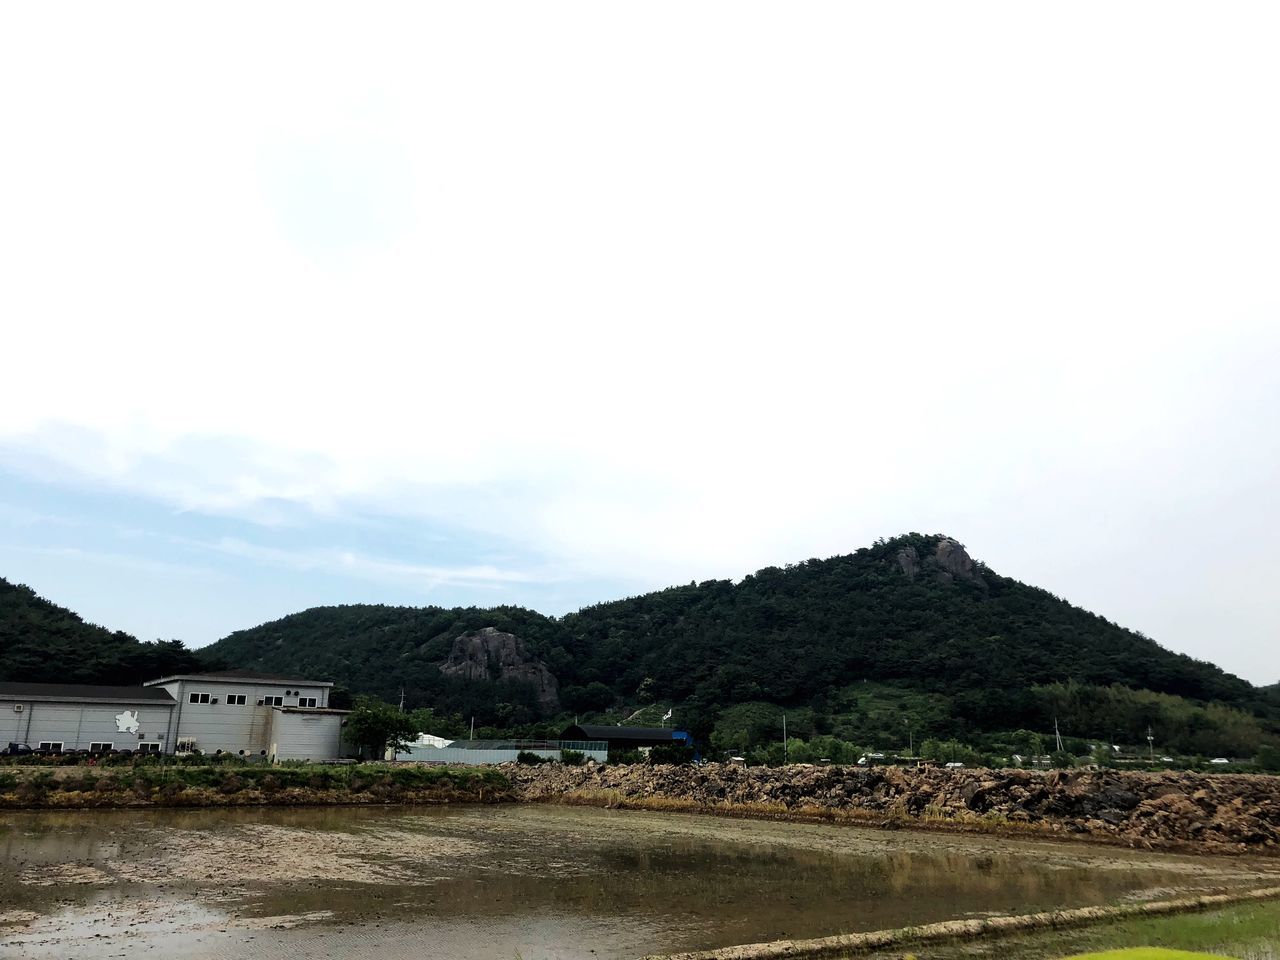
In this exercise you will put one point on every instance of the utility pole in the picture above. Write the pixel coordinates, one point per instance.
(473, 727)
(1056, 735)
(785, 754)
(1151, 744)
(402, 699)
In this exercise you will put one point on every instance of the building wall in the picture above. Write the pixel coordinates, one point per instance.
(77, 725)
(306, 736)
(228, 727)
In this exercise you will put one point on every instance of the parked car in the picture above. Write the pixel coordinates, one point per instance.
(1219, 760)
(17, 750)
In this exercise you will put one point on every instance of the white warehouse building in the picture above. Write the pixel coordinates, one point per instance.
(235, 711)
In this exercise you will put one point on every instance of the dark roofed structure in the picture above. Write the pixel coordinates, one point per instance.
(83, 692)
(625, 737)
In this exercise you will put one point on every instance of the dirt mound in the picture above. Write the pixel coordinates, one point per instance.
(1219, 811)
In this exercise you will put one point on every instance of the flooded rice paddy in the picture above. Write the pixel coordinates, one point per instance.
(528, 882)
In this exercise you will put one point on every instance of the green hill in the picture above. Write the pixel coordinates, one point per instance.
(910, 633)
(41, 642)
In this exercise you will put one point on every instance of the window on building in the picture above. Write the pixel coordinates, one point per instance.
(271, 702)
(236, 700)
(96, 747)
(54, 745)
(199, 698)
(306, 701)
(148, 747)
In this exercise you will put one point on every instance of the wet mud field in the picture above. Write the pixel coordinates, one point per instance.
(522, 881)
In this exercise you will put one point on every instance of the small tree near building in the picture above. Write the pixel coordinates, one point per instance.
(373, 726)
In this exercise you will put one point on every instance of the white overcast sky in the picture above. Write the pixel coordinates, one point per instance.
(549, 303)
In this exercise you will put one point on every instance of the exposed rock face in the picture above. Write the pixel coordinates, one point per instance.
(956, 563)
(909, 561)
(492, 655)
(1216, 812)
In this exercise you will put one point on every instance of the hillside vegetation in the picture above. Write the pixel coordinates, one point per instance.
(41, 642)
(908, 638)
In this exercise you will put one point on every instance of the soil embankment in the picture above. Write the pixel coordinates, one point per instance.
(1216, 813)
(1211, 812)
(233, 786)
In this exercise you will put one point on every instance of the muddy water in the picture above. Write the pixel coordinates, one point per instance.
(526, 882)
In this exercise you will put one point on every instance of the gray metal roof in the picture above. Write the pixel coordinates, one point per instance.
(242, 676)
(82, 691)
(592, 731)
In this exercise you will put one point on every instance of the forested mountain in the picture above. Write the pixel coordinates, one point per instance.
(838, 642)
(41, 642)
(383, 650)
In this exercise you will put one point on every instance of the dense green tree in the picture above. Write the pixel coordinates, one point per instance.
(374, 726)
(953, 751)
(1268, 758)
(41, 642)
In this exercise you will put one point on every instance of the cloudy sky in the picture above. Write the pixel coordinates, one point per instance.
(552, 303)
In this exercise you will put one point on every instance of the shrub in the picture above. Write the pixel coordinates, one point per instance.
(573, 758)
(172, 791)
(33, 791)
(532, 759)
(231, 784)
(671, 753)
(84, 783)
(1268, 758)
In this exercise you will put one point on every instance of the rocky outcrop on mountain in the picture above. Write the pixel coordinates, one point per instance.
(955, 562)
(1220, 812)
(491, 655)
(909, 561)
(949, 562)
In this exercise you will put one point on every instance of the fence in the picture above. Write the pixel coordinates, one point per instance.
(502, 751)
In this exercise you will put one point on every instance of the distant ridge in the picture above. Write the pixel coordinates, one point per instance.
(41, 642)
(915, 612)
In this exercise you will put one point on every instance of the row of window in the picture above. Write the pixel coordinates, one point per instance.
(55, 746)
(239, 700)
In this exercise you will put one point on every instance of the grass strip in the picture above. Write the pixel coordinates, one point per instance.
(1146, 953)
(845, 944)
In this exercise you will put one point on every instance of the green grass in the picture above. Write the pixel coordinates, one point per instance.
(1248, 931)
(1146, 953)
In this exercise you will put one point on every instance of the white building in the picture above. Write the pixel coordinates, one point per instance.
(69, 716)
(238, 712)
(430, 740)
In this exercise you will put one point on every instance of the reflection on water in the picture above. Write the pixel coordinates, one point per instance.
(511, 881)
